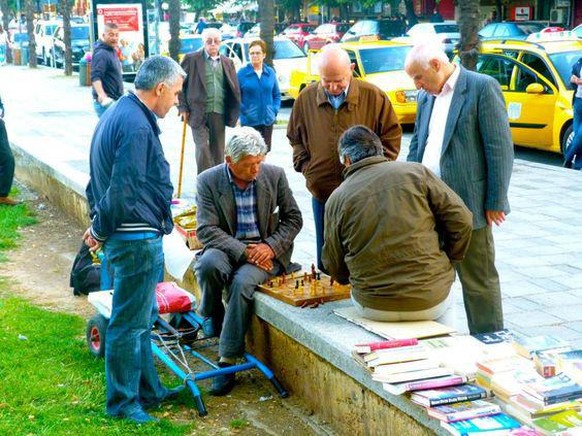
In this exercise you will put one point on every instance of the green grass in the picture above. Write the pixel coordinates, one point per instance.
(238, 423)
(49, 382)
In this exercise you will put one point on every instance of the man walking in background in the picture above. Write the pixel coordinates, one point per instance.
(106, 72)
(210, 99)
(321, 113)
(462, 134)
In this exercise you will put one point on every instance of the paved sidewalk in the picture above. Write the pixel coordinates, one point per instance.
(51, 117)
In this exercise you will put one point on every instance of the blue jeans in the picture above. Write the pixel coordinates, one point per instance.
(99, 109)
(318, 216)
(574, 152)
(132, 380)
(215, 272)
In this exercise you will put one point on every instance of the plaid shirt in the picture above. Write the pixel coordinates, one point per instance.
(247, 226)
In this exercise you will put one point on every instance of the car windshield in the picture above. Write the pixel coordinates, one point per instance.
(563, 63)
(190, 44)
(383, 59)
(530, 28)
(284, 49)
(446, 28)
(80, 32)
(49, 30)
(342, 28)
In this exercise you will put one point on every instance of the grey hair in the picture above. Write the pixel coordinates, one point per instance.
(156, 70)
(212, 33)
(332, 51)
(245, 141)
(423, 52)
(357, 143)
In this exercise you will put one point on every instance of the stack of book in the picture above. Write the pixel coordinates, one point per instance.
(553, 390)
(448, 395)
(570, 363)
(528, 346)
(495, 424)
(405, 365)
(568, 422)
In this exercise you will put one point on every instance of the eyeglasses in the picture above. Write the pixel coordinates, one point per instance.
(212, 41)
(255, 53)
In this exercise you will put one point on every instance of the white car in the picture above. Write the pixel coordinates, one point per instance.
(287, 57)
(43, 36)
(446, 32)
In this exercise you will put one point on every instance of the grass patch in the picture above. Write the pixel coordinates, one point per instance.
(238, 423)
(13, 218)
(51, 385)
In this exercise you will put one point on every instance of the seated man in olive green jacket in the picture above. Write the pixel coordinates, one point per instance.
(393, 231)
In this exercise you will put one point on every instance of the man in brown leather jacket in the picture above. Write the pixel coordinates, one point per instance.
(393, 230)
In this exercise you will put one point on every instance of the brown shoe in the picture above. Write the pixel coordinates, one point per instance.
(7, 201)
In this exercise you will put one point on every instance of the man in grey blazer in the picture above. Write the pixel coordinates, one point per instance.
(462, 134)
(247, 221)
(210, 99)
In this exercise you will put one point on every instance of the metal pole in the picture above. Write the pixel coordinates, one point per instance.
(182, 159)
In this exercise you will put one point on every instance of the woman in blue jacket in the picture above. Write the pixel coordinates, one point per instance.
(260, 95)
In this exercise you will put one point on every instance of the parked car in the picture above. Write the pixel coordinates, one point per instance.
(43, 36)
(447, 33)
(286, 57)
(324, 34)
(535, 81)
(188, 44)
(374, 30)
(297, 32)
(255, 32)
(510, 30)
(377, 62)
(79, 44)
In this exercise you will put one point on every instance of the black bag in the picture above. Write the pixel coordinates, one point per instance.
(86, 273)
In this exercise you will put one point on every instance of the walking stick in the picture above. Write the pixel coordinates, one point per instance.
(182, 159)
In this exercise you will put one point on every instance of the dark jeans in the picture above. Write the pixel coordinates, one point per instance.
(574, 152)
(215, 272)
(318, 216)
(480, 283)
(131, 376)
(209, 142)
(266, 132)
(6, 162)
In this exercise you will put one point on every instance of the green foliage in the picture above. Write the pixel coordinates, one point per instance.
(51, 385)
(238, 423)
(13, 218)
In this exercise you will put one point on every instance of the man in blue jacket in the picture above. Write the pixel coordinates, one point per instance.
(130, 194)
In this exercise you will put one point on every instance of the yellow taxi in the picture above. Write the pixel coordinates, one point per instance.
(377, 62)
(535, 79)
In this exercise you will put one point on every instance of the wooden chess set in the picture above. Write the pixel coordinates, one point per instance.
(305, 288)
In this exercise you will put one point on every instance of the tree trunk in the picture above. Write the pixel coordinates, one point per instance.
(65, 10)
(267, 20)
(469, 44)
(5, 21)
(174, 45)
(29, 8)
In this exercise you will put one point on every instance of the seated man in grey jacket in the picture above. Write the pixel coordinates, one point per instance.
(247, 221)
(393, 231)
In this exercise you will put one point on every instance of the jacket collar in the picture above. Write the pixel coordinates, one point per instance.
(366, 162)
(351, 100)
(150, 115)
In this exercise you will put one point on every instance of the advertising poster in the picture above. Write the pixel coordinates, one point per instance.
(129, 19)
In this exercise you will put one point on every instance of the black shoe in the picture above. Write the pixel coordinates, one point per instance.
(222, 384)
(170, 395)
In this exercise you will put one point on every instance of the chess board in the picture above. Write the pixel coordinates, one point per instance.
(305, 289)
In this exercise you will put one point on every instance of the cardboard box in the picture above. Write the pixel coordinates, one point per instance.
(189, 236)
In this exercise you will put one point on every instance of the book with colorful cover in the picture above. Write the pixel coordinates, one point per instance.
(554, 389)
(559, 422)
(448, 395)
(530, 407)
(430, 383)
(382, 345)
(502, 364)
(395, 355)
(483, 425)
(463, 410)
(526, 346)
(510, 383)
(570, 362)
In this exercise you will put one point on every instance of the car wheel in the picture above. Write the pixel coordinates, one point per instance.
(305, 48)
(567, 139)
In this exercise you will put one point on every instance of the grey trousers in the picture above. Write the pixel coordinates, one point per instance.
(215, 272)
(480, 282)
(209, 142)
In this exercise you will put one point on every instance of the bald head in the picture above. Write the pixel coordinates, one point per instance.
(335, 69)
